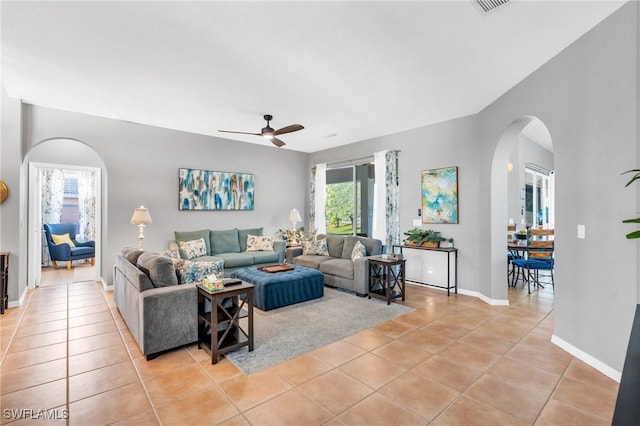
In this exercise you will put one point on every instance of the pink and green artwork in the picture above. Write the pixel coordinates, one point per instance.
(439, 189)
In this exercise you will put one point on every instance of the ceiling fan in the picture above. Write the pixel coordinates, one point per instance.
(269, 133)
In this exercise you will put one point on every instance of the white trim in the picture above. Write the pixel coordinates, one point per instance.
(20, 301)
(105, 286)
(36, 258)
(586, 358)
(493, 302)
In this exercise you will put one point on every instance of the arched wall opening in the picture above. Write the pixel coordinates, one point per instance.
(63, 153)
(500, 197)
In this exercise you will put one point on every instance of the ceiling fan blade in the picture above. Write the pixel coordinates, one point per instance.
(277, 142)
(289, 129)
(240, 133)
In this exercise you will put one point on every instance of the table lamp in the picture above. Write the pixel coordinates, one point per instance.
(294, 216)
(141, 217)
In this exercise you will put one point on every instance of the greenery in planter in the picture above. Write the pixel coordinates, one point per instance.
(418, 236)
(636, 176)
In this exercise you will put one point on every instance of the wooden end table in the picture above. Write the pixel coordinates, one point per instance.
(386, 277)
(4, 281)
(214, 341)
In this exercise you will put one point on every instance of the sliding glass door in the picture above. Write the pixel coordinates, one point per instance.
(349, 200)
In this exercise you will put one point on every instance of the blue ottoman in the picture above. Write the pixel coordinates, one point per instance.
(275, 290)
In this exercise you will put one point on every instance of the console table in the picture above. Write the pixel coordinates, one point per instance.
(219, 328)
(4, 281)
(425, 268)
(386, 274)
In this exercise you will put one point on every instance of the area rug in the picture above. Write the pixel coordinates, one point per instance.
(285, 333)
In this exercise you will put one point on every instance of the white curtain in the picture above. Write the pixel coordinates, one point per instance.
(319, 198)
(86, 205)
(52, 196)
(379, 230)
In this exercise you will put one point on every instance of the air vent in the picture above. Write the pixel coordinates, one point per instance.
(488, 5)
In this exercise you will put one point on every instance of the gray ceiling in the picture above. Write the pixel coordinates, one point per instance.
(347, 71)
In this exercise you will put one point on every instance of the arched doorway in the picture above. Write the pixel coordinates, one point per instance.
(502, 208)
(73, 156)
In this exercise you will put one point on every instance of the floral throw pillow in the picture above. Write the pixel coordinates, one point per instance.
(172, 254)
(194, 248)
(359, 251)
(259, 243)
(192, 272)
(316, 247)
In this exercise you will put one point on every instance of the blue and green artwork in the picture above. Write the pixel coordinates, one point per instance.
(440, 195)
(209, 190)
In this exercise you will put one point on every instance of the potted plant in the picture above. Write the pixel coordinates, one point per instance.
(423, 237)
(521, 234)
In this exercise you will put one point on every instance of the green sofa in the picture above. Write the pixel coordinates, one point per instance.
(230, 246)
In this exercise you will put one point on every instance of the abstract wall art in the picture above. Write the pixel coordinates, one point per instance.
(439, 189)
(209, 190)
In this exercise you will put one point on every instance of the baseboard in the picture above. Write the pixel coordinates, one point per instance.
(494, 302)
(20, 301)
(587, 359)
(105, 286)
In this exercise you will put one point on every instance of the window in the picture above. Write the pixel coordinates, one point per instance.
(537, 196)
(70, 207)
(349, 200)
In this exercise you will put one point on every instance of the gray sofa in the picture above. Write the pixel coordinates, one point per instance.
(338, 268)
(160, 313)
(230, 246)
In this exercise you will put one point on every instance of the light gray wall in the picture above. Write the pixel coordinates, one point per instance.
(587, 98)
(451, 143)
(10, 157)
(141, 167)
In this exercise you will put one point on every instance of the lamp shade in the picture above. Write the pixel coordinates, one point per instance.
(294, 216)
(141, 216)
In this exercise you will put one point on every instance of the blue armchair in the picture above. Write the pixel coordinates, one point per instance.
(64, 252)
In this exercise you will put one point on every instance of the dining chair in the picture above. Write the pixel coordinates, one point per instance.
(538, 257)
(511, 255)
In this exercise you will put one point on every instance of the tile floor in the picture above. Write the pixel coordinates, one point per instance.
(451, 361)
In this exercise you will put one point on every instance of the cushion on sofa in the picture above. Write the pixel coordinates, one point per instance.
(158, 268)
(264, 257)
(242, 236)
(310, 260)
(225, 241)
(193, 235)
(335, 244)
(315, 247)
(359, 251)
(191, 272)
(193, 248)
(338, 267)
(373, 246)
(259, 243)
(131, 254)
(234, 260)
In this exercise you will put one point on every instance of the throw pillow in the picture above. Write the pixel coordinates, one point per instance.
(194, 248)
(192, 272)
(131, 254)
(359, 251)
(259, 243)
(172, 254)
(317, 247)
(62, 239)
